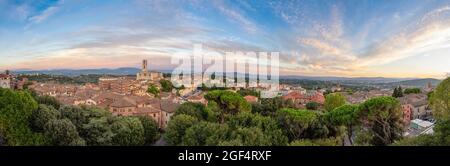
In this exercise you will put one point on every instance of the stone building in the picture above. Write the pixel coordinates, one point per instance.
(6, 80)
(147, 75)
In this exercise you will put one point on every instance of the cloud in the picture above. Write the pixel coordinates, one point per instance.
(236, 16)
(430, 32)
(44, 15)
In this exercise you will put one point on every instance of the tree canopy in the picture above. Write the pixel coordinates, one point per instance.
(166, 85)
(440, 100)
(16, 108)
(383, 117)
(333, 101)
(152, 89)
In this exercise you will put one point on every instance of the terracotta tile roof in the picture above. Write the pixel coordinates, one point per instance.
(250, 98)
(293, 95)
(123, 102)
(141, 110)
(169, 106)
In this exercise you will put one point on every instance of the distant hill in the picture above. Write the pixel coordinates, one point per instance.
(77, 72)
(349, 79)
(416, 82)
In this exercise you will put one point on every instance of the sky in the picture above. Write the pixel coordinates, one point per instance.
(351, 38)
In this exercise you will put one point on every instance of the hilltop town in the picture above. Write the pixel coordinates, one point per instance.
(130, 96)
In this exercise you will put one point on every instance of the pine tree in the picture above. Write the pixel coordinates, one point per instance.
(400, 91)
(394, 94)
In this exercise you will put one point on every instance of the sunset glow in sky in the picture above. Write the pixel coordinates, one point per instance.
(388, 38)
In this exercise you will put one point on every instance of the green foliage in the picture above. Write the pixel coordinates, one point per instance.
(421, 140)
(152, 89)
(48, 100)
(251, 92)
(440, 100)
(166, 85)
(343, 115)
(61, 79)
(128, 131)
(197, 110)
(312, 105)
(229, 102)
(398, 92)
(76, 114)
(42, 115)
(346, 115)
(98, 132)
(63, 133)
(205, 134)
(151, 129)
(251, 136)
(333, 101)
(268, 126)
(16, 107)
(296, 122)
(441, 136)
(383, 117)
(269, 106)
(177, 127)
(412, 91)
(235, 142)
(318, 142)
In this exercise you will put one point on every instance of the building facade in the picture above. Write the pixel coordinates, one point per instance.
(145, 74)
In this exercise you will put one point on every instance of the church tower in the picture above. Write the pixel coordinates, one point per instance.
(144, 65)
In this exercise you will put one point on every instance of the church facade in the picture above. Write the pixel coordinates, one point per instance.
(145, 74)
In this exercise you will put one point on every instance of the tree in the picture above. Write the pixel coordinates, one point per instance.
(153, 90)
(269, 106)
(63, 133)
(128, 131)
(398, 92)
(317, 142)
(42, 115)
(229, 102)
(48, 100)
(177, 127)
(412, 91)
(251, 136)
(296, 122)
(312, 105)
(197, 110)
(269, 126)
(245, 92)
(98, 132)
(333, 101)
(383, 117)
(205, 134)
(166, 85)
(77, 115)
(346, 115)
(16, 107)
(235, 142)
(151, 129)
(421, 140)
(440, 100)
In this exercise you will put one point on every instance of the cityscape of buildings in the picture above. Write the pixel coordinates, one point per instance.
(128, 96)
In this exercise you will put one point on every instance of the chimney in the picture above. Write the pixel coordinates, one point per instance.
(7, 72)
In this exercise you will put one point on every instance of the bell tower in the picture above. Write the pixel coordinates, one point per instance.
(144, 65)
